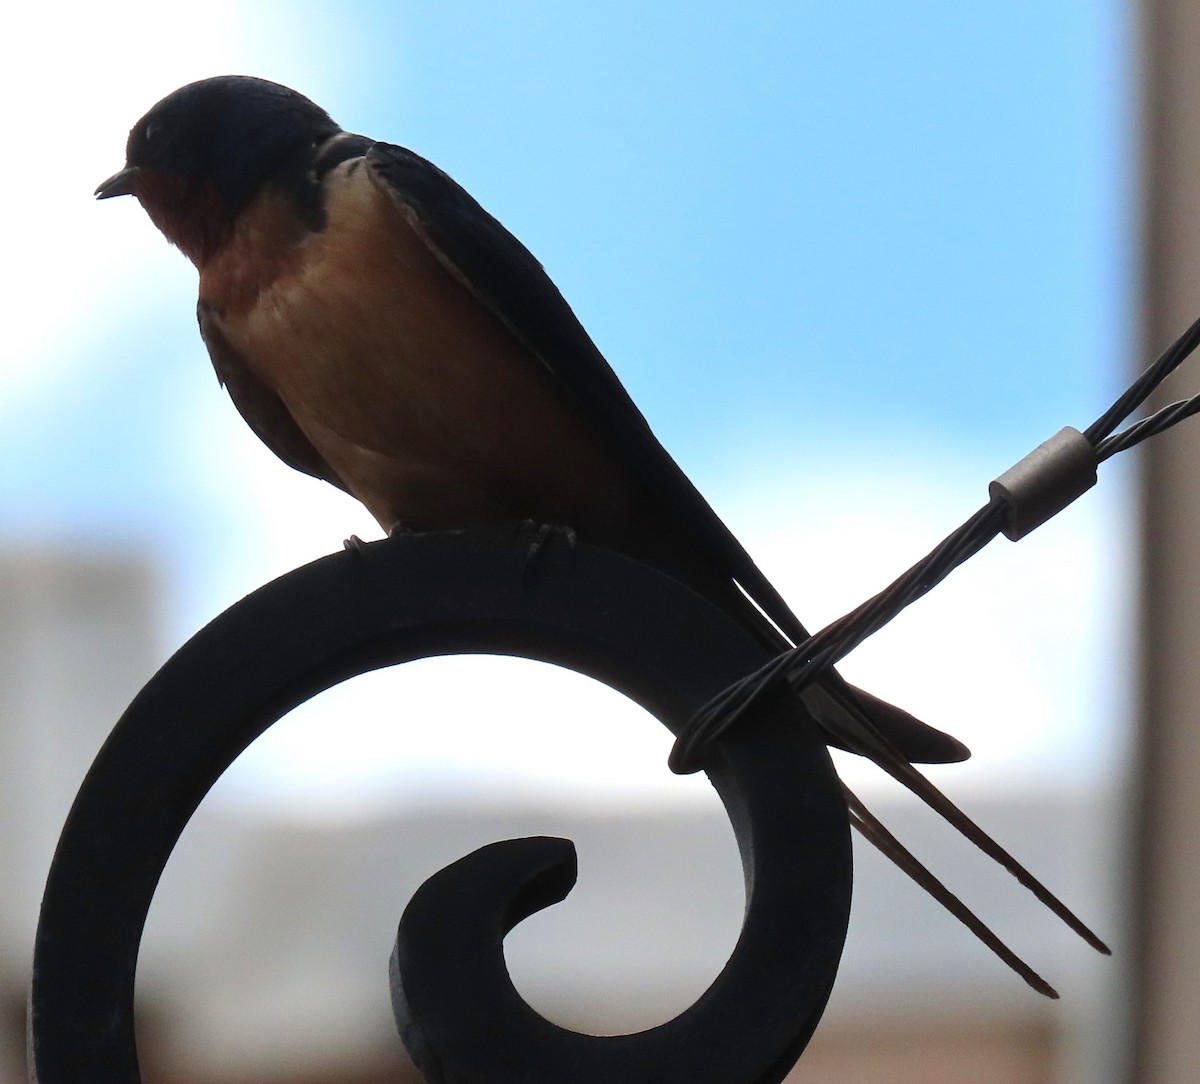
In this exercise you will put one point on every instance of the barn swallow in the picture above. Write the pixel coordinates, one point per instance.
(378, 329)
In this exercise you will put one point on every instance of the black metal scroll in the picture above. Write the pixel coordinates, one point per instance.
(413, 597)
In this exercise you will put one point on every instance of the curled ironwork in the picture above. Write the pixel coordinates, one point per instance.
(412, 597)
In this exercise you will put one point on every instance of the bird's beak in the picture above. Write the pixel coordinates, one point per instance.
(120, 184)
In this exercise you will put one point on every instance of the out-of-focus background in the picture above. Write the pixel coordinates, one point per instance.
(852, 261)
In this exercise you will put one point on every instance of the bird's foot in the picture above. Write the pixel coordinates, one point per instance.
(542, 534)
(354, 545)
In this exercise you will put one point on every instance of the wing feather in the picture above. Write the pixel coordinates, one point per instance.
(506, 278)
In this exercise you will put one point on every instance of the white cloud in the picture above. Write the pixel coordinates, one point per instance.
(1005, 655)
(1015, 652)
(76, 79)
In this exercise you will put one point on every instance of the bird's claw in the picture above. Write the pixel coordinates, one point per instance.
(542, 533)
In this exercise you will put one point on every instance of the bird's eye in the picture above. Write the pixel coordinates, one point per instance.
(150, 132)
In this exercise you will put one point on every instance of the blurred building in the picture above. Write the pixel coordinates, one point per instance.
(1165, 883)
(76, 643)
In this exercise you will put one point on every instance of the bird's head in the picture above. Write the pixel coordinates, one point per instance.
(206, 150)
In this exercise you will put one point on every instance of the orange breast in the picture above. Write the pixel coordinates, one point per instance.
(418, 397)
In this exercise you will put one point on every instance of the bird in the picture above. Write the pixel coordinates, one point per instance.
(379, 330)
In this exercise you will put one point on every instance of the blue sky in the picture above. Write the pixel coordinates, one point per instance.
(852, 260)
